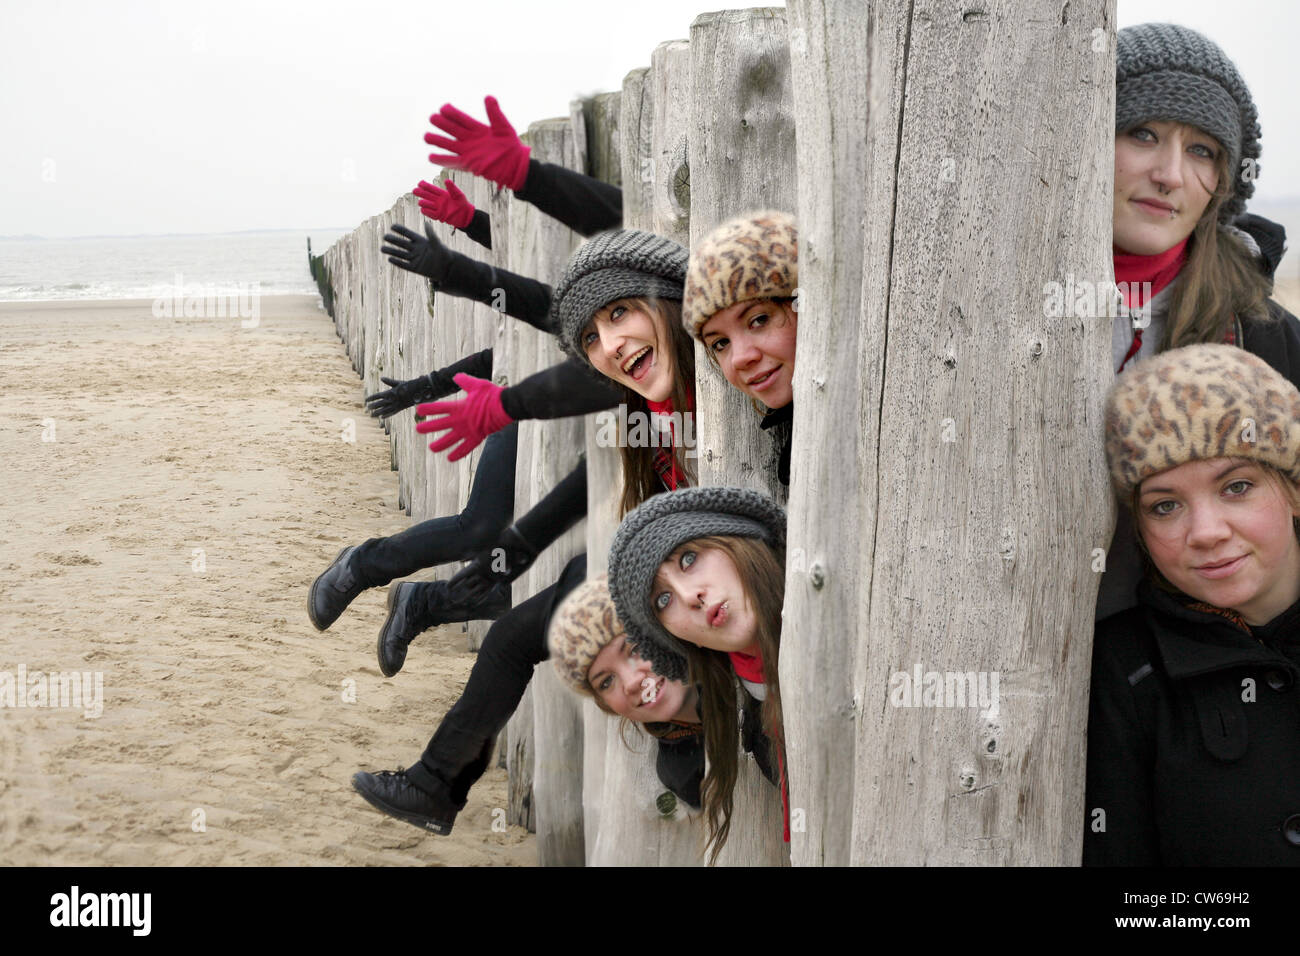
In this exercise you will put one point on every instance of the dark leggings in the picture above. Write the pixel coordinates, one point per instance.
(461, 747)
(455, 537)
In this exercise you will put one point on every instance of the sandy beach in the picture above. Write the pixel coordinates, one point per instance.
(172, 486)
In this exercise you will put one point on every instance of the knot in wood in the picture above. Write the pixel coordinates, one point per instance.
(817, 575)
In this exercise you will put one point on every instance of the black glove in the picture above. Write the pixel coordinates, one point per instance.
(439, 383)
(403, 395)
(424, 256)
(511, 557)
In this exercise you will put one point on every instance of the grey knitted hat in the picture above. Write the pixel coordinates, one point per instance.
(650, 533)
(1168, 72)
(614, 265)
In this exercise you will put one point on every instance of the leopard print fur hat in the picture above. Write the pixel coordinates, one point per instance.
(754, 256)
(582, 625)
(1199, 402)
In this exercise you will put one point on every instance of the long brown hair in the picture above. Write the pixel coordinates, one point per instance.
(1219, 281)
(640, 479)
(761, 569)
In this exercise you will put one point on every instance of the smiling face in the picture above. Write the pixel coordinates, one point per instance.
(1165, 176)
(631, 344)
(753, 343)
(630, 688)
(1220, 531)
(699, 597)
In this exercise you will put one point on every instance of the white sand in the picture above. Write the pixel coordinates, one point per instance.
(218, 695)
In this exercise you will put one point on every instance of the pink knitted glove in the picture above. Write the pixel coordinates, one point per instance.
(468, 421)
(493, 152)
(445, 205)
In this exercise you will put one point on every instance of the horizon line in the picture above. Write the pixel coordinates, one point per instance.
(177, 235)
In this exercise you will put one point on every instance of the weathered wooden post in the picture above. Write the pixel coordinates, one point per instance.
(624, 826)
(742, 158)
(548, 451)
(956, 162)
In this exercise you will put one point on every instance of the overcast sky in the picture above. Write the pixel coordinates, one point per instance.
(155, 117)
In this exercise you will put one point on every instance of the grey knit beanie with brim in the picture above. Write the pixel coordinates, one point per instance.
(651, 532)
(1167, 72)
(622, 264)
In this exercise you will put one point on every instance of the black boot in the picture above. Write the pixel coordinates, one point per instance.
(334, 590)
(414, 607)
(393, 792)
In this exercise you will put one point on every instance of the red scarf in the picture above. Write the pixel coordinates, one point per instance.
(1131, 272)
(747, 666)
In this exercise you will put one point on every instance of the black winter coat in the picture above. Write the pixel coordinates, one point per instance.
(1193, 737)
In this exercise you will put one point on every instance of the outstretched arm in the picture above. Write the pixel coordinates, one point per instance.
(561, 391)
(520, 544)
(451, 206)
(426, 388)
(455, 274)
(494, 151)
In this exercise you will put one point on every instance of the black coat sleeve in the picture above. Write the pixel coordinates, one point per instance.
(680, 766)
(563, 507)
(515, 295)
(480, 229)
(560, 391)
(1276, 340)
(479, 365)
(585, 205)
(1119, 808)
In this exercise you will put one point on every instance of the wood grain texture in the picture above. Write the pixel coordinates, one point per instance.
(740, 146)
(623, 823)
(981, 170)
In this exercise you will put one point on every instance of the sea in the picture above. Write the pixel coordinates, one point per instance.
(272, 262)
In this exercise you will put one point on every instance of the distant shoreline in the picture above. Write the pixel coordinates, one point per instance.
(52, 305)
(175, 235)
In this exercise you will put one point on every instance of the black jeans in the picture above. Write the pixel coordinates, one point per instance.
(455, 537)
(461, 747)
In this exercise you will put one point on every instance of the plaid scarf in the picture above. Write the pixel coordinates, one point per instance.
(665, 460)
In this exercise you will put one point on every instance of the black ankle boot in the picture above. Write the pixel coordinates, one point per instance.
(414, 607)
(334, 590)
(393, 792)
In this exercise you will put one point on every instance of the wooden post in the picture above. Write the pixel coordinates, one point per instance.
(742, 158)
(548, 451)
(623, 822)
(963, 160)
